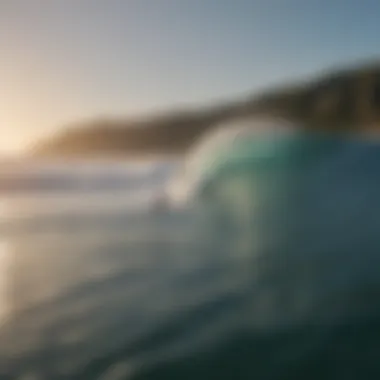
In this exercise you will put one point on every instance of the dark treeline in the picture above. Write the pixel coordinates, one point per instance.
(341, 100)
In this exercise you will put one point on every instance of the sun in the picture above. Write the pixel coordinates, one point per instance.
(11, 146)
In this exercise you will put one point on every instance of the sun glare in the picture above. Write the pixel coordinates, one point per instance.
(11, 146)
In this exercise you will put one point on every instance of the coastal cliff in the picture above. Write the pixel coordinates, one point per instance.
(339, 100)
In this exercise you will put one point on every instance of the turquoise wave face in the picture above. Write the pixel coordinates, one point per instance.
(258, 185)
(301, 198)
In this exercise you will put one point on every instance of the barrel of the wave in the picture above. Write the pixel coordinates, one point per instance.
(252, 188)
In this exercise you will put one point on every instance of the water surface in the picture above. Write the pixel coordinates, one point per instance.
(94, 286)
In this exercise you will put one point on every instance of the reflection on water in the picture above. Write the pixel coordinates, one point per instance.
(113, 293)
(4, 281)
(84, 283)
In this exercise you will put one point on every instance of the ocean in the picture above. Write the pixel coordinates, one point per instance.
(96, 285)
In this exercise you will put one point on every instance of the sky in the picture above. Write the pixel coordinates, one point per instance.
(63, 61)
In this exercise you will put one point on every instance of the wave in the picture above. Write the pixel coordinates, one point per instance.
(83, 176)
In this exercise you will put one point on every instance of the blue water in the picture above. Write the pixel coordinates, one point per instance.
(95, 286)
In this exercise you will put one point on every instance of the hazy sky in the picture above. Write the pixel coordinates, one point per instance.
(64, 60)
